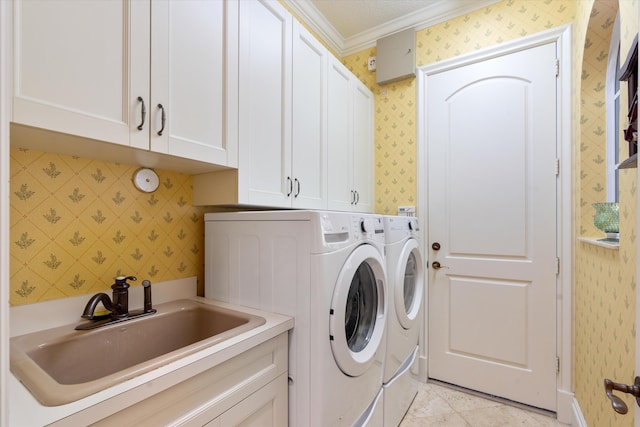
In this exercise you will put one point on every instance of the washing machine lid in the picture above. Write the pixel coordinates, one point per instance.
(358, 307)
(408, 285)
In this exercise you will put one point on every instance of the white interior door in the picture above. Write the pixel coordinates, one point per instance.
(492, 177)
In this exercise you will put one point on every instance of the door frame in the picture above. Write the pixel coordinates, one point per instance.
(561, 36)
(5, 116)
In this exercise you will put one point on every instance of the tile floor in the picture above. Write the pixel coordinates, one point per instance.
(439, 406)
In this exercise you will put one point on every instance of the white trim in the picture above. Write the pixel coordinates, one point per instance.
(5, 116)
(610, 99)
(431, 15)
(566, 242)
(577, 419)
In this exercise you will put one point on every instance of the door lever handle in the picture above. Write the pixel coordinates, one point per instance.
(437, 266)
(618, 404)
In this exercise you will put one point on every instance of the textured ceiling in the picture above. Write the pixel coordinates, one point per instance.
(351, 25)
(351, 17)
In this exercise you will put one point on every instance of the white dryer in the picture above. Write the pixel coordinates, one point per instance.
(405, 272)
(327, 270)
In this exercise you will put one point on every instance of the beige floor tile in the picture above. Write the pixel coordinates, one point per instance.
(444, 420)
(439, 406)
(429, 404)
(498, 416)
(460, 401)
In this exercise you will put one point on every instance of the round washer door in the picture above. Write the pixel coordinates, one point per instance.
(408, 290)
(358, 307)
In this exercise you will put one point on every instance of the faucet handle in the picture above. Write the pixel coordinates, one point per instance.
(121, 281)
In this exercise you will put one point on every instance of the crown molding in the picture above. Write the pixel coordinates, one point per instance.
(311, 16)
(435, 13)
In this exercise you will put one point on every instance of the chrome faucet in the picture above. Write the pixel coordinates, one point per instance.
(118, 307)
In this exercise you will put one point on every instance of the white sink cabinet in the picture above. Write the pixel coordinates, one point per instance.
(250, 390)
(87, 68)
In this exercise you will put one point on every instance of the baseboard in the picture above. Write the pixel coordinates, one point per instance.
(578, 419)
(422, 369)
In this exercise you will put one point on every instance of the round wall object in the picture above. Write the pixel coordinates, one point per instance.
(146, 180)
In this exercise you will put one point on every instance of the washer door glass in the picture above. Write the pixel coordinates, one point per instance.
(358, 307)
(362, 308)
(409, 285)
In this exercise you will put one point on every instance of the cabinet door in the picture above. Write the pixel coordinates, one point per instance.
(363, 147)
(309, 121)
(264, 128)
(189, 79)
(264, 408)
(79, 67)
(339, 130)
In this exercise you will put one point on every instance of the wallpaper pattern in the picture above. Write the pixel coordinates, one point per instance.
(76, 224)
(605, 281)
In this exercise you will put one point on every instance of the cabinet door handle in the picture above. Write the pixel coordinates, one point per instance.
(289, 186)
(163, 119)
(297, 187)
(353, 197)
(144, 113)
(357, 197)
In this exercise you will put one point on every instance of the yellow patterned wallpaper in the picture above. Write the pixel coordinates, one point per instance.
(78, 223)
(605, 280)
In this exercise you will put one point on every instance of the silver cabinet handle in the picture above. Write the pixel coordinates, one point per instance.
(297, 187)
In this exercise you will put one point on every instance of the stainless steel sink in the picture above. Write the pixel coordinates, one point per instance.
(62, 365)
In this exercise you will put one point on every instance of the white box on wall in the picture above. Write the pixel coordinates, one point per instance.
(395, 57)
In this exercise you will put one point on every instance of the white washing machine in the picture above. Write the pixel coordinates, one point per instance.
(327, 270)
(405, 273)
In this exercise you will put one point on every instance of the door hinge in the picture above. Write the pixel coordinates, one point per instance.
(557, 67)
(557, 166)
(557, 266)
(557, 365)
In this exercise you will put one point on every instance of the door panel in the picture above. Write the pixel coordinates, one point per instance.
(491, 152)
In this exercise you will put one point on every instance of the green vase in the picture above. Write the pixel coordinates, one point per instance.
(607, 219)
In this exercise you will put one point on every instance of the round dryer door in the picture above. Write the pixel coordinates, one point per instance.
(358, 307)
(408, 291)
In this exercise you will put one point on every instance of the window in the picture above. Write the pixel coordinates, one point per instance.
(613, 113)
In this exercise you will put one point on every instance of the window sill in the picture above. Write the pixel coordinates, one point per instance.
(597, 242)
(631, 162)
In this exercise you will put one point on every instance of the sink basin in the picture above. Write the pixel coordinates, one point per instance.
(62, 365)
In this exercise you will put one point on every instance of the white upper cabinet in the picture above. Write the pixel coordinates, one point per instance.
(350, 146)
(309, 128)
(100, 70)
(80, 66)
(301, 142)
(340, 103)
(363, 143)
(264, 130)
(194, 79)
(282, 105)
